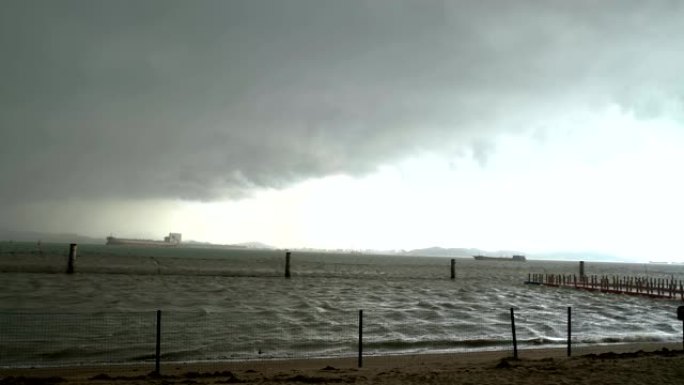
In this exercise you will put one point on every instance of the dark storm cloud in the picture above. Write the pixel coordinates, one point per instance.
(202, 99)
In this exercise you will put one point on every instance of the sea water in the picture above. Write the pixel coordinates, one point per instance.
(235, 304)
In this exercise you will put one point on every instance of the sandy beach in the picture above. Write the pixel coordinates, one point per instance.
(628, 364)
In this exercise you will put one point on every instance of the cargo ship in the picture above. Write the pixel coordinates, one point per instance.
(515, 258)
(173, 239)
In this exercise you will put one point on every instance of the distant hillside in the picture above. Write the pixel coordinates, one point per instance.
(245, 245)
(555, 256)
(257, 245)
(35, 236)
(248, 245)
(457, 252)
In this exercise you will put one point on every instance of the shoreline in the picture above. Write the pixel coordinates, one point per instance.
(633, 363)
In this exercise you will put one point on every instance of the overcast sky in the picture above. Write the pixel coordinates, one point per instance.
(525, 125)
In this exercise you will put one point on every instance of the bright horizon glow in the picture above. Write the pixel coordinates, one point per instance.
(608, 183)
(609, 186)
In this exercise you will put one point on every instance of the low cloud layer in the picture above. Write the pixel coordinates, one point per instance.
(204, 100)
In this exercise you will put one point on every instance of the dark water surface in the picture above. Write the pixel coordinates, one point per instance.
(235, 304)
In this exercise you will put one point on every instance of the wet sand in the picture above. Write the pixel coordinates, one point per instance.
(624, 364)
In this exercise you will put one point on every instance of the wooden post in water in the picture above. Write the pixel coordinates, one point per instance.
(515, 340)
(569, 331)
(157, 355)
(581, 272)
(72, 258)
(680, 316)
(360, 362)
(287, 264)
(453, 268)
(659, 285)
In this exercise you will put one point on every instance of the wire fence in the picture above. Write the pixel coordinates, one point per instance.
(151, 338)
(57, 339)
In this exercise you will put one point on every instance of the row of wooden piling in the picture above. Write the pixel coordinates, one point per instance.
(635, 285)
(71, 261)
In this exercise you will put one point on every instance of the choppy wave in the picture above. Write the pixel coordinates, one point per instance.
(236, 305)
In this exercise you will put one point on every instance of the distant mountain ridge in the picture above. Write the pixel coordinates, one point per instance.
(554, 255)
(257, 245)
(457, 252)
(246, 245)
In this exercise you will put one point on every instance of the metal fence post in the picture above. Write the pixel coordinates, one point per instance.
(569, 331)
(515, 340)
(157, 355)
(360, 338)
